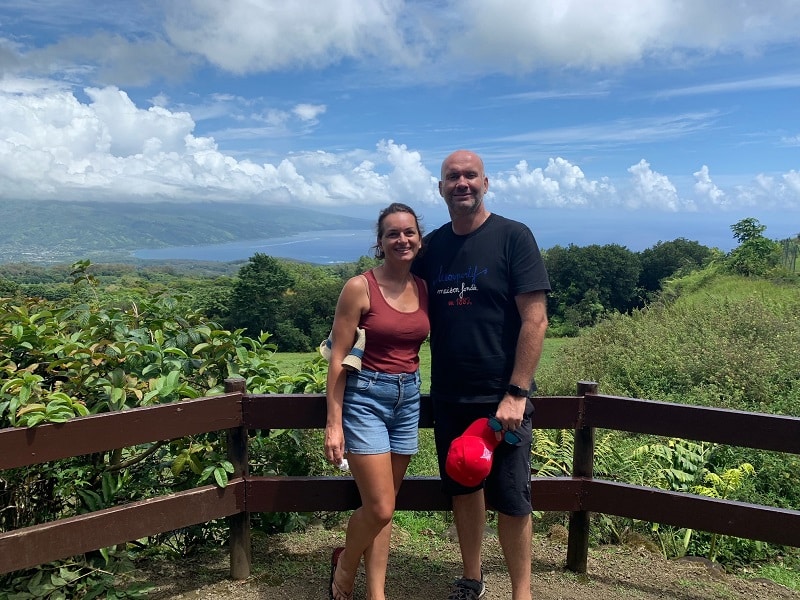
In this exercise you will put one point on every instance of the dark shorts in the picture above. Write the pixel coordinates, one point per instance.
(508, 487)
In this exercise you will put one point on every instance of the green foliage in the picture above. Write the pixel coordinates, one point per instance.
(779, 572)
(715, 340)
(727, 345)
(8, 288)
(680, 465)
(83, 579)
(756, 256)
(723, 486)
(294, 302)
(551, 454)
(257, 300)
(790, 248)
(748, 229)
(590, 281)
(670, 259)
(62, 359)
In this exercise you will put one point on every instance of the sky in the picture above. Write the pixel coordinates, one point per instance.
(623, 121)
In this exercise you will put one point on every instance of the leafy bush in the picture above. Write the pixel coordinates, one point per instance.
(98, 575)
(94, 353)
(712, 347)
(713, 340)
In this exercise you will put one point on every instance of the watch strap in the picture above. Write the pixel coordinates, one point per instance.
(515, 390)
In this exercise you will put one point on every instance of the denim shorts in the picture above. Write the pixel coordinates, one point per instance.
(380, 412)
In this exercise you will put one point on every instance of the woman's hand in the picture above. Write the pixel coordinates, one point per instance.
(334, 444)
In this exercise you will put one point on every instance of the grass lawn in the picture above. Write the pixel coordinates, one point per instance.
(290, 363)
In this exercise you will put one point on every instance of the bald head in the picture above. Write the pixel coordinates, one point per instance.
(462, 156)
(463, 186)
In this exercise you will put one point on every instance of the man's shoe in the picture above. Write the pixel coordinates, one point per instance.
(467, 589)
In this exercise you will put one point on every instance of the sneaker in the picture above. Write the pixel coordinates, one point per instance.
(467, 589)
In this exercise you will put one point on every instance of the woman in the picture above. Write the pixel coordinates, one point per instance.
(373, 414)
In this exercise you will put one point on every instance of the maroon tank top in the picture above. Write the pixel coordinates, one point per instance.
(393, 337)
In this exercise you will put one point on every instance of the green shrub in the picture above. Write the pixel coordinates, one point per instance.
(707, 347)
(711, 340)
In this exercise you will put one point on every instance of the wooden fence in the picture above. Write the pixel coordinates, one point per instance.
(236, 412)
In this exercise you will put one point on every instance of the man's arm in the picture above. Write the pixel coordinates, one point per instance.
(532, 308)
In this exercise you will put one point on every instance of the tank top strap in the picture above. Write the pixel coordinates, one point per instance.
(374, 288)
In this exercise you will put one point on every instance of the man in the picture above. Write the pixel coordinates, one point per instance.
(487, 290)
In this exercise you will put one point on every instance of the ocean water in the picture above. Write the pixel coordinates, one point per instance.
(318, 247)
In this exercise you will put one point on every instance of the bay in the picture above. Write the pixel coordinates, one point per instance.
(318, 247)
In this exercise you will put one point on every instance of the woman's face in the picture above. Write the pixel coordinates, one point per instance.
(400, 238)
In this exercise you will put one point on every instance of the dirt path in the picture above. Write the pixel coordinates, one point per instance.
(295, 566)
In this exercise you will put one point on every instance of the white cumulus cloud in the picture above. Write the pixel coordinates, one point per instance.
(519, 35)
(248, 37)
(309, 112)
(55, 147)
(559, 184)
(707, 189)
(650, 189)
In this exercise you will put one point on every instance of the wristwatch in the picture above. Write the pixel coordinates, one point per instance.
(515, 390)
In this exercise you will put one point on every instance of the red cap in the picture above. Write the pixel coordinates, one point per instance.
(469, 458)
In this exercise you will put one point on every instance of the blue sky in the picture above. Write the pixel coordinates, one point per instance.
(624, 121)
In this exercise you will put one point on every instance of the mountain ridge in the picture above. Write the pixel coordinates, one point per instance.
(63, 231)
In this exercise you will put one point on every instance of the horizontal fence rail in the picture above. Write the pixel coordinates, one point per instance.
(26, 446)
(236, 412)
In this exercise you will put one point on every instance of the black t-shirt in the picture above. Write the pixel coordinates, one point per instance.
(472, 280)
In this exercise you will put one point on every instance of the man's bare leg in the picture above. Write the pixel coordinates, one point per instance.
(515, 539)
(469, 512)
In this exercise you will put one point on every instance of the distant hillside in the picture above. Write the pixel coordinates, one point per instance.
(64, 231)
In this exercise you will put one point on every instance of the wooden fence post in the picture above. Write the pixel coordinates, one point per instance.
(582, 466)
(239, 524)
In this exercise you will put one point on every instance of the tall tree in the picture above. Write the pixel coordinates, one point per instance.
(756, 255)
(669, 258)
(589, 280)
(257, 303)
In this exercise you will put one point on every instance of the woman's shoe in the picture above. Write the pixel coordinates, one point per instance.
(334, 591)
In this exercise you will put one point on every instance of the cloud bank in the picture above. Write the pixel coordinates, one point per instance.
(64, 139)
(55, 147)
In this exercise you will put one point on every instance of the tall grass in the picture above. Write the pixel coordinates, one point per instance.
(730, 343)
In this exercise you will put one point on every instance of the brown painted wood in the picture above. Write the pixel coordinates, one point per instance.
(239, 541)
(751, 521)
(582, 466)
(306, 494)
(109, 431)
(308, 411)
(236, 413)
(722, 426)
(40, 544)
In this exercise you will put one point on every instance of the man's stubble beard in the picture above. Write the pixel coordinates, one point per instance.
(461, 210)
